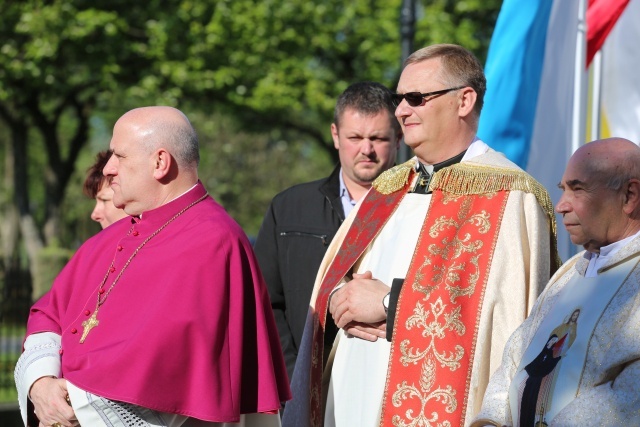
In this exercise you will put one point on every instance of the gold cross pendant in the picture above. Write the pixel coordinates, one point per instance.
(89, 324)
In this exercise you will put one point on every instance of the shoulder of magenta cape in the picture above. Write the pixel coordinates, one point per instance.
(206, 218)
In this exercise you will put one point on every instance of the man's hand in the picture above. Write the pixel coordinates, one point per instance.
(365, 331)
(360, 302)
(49, 397)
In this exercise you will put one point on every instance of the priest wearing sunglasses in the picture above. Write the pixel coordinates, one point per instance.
(433, 270)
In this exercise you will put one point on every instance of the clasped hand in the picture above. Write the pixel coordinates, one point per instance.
(357, 307)
(49, 397)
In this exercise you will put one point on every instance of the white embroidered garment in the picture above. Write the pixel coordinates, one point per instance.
(96, 411)
(578, 307)
(600, 386)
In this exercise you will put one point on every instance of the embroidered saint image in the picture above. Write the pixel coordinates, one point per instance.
(541, 373)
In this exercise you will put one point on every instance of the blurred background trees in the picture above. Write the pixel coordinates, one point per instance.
(258, 79)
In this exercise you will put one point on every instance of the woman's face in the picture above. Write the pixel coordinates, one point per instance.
(105, 212)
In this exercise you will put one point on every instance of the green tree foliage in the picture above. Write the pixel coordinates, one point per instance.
(468, 23)
(243, 171)
(58, 59)
(276, 64)
(266, 71)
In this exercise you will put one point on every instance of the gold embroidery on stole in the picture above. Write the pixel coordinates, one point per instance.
(432, 348)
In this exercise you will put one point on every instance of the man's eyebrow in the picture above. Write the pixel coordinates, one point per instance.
(574, 182)
(571, 183)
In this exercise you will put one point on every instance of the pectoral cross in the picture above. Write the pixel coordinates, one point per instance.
(88, 325)
(422, 183)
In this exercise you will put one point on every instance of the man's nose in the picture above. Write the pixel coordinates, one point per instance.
(403, 110)
(366, 147)
(562, 206)
(109, 169)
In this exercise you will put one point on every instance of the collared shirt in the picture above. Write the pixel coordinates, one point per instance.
(347, 202)
(597, 261)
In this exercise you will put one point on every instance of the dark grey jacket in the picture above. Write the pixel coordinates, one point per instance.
(295, 234)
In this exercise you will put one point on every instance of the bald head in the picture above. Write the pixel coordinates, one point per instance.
(600, 203)
(611, 161)
(164, 127)
(155, 158)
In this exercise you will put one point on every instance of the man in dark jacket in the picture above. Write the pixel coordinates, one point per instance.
(303, 219)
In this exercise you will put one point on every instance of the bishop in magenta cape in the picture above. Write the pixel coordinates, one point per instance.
(188, 327)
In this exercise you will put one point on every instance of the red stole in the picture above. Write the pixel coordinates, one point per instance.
(373, 214)
(438, 311)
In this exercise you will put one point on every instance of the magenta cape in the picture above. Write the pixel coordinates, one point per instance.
(188, 329)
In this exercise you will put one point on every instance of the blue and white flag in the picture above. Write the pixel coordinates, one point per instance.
(531, 72)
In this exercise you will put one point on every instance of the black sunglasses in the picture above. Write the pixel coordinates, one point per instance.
(415, 98)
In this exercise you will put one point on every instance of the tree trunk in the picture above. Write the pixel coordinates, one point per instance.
(9, 224)
(59, 169)
(28, 228)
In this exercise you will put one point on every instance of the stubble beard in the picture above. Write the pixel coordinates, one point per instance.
(368, 175)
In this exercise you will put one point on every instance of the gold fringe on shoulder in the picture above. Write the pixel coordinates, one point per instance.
(394, 179)
(473, 178)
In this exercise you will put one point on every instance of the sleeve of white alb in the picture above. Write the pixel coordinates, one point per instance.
(41, 358)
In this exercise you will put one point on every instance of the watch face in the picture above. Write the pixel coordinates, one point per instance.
(385, 301)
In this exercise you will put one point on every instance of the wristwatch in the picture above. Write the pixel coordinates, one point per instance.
(385, 302)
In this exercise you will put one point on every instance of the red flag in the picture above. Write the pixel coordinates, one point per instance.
(601, 17)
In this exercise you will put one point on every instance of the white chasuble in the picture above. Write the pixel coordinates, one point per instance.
(551, 369)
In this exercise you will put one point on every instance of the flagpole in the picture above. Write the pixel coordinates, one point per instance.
(579, 111)
(596, 95)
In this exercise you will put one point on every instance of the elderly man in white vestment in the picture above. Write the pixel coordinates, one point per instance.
(431, 272)
(594, 381)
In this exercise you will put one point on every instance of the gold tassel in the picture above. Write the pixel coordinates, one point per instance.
(473, 178)
(394, 179)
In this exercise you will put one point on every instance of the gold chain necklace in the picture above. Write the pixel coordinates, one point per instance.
(93, 321)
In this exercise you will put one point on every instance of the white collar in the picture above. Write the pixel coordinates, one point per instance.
(597, 261)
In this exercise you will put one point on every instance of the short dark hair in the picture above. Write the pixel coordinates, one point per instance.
(459, 67)
(368, 98)
(95, 179)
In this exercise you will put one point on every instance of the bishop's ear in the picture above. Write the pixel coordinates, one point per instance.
(163, 162)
